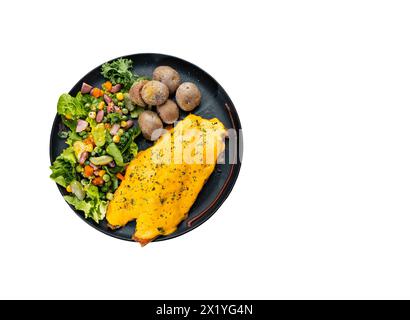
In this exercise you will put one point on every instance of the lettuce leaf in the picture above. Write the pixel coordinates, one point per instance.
(133, 148)
(100, 211)
(119, 71)
(93, 207)
(73, 137)
(114, 117)
(113, 151)
(63, 168)
(92, 192)
(70, 124)
(135, 113)
(129, 148)
(99, 208)
(71, 107)
(85, 98)
(79, 204)
(133, 133)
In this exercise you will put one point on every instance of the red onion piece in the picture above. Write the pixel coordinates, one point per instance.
(100, 116)
(111, 164)
(107, 99)
(117, 109)
(94, 166)
(81, 125)
(110, 107)
(115, 88)
(114, 129)
(83, 157)
(86, 88)
(130, 123)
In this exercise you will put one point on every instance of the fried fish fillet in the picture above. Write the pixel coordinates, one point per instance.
(163, 181)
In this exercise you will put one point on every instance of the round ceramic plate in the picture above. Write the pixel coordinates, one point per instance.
(215, 103)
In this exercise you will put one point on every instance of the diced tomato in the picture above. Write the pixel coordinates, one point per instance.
(88, 171)
(96, 92)
(107, 86)
(89, 140)
(98, 181)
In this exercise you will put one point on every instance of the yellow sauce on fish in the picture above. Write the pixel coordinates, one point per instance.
(163, 181)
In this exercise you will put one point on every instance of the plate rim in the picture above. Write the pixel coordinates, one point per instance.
(220, 199)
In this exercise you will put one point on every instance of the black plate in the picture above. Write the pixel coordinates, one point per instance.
(215, 103)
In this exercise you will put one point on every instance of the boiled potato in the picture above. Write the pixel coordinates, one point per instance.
(188, 96)
(154, 93)
(168, 76)
(150, 123)
(135, 93)
(168, 112)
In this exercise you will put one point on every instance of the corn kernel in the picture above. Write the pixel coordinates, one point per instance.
(123, 124)
(69, 189)
(68, 116)
(116, 138)
(101, 105)
(120, 96)
(101, 173)
(89, 147)
(92, 114)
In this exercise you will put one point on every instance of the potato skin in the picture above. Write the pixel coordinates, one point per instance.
(149, 121)
(154, 93)
(168, 112)
(188, 96)
(168, 76)
(135, 93)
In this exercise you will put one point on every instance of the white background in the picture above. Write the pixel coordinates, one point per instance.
(321, 208)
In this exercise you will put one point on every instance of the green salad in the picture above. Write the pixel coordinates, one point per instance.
(100, 131)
